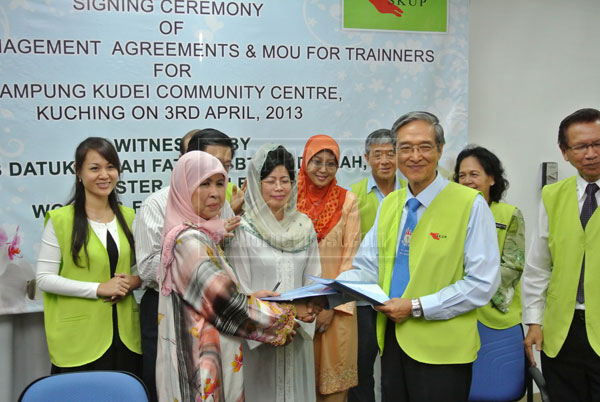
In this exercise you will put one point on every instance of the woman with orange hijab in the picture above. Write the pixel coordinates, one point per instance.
(335, 216)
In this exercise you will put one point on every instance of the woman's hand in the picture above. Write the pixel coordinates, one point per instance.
(265, 293)
(324, 320)
(291, 335)
(116, 286)
(134, 281)
(113, 300)
(231, 224)
(317, 303)
(305, 312)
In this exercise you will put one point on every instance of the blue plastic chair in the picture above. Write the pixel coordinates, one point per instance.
(86, 386)
(501, 372)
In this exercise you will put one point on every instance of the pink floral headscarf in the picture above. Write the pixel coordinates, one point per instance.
(190, 171)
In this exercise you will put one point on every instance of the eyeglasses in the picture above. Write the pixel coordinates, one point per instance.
(272, 182)
(226, 165)
(423, 149)
(383, 155)
(318, 164)
(580, 149)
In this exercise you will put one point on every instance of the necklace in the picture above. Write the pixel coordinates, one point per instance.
(104, 217)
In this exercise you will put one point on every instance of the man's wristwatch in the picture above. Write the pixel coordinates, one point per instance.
(416, 310)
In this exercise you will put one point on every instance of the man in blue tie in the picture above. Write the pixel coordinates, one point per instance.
(562, 271)
(433, 247)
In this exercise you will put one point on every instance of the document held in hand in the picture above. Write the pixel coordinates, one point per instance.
(312, 290)
(365, 291)
(369, 292)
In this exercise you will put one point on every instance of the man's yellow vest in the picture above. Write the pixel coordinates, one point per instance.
(488, 315)
(568, 242)
(367, 204)
(80, 330)
(435, 261)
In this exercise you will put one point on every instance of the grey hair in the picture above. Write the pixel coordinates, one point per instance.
(380, 137)
(424, 116)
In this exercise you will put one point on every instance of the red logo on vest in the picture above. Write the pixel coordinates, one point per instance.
(437, 236)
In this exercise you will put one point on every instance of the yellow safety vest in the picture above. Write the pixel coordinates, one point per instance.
(80, 330)
(435, 261)
(489, 315)
(568, 243)
(367, 204)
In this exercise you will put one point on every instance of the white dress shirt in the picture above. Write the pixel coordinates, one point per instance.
(481, 259)
(372, 186)
(538, 264)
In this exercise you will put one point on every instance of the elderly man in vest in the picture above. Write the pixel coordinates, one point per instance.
(380, 154)
(561, 283)
(433, 247)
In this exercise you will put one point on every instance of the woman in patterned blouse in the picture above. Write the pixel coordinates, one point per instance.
(201, 313)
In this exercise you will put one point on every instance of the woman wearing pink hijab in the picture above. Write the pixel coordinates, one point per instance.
(201, 313)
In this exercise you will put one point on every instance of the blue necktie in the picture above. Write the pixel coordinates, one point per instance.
(589, 206)
(401, 274)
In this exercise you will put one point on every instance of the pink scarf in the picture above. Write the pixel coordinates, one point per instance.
(190, 171)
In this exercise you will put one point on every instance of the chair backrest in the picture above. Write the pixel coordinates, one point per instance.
(86, 386)
(499, 371)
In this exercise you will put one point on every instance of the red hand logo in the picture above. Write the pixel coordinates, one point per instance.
(387, 7)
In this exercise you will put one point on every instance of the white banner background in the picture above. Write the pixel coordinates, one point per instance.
(287, 69)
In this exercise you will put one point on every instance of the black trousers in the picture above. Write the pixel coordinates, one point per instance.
(367, 352)
(405, 379)
(574, 374)
(149, 328)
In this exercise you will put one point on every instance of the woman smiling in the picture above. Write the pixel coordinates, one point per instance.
(276, 244)
(84, 268)
(335, 216)
(478, 168)
(201, 313)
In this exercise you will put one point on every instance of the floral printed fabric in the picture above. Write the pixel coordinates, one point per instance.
(512, 260)
(200, 322)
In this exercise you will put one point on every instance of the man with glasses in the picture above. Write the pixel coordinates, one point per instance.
(380, 154)
(562, 271)
(433, 248)
(147, 231)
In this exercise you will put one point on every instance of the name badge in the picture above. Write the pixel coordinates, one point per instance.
(500, 226)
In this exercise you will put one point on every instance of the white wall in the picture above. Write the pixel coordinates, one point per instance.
(6, 374)
(531, 63)
(23, 352)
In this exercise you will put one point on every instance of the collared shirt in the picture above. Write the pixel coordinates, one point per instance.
(538, 264)
(50, 258)
(481, 259)
(147, 231)
(372, 186)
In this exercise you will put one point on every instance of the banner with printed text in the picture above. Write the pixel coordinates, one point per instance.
(142, 73)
